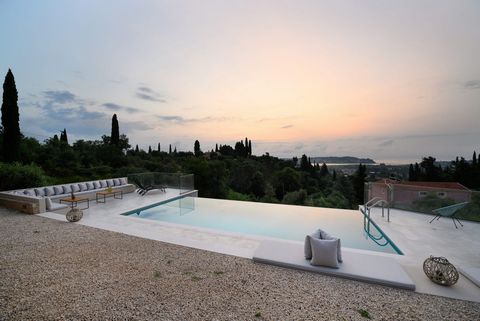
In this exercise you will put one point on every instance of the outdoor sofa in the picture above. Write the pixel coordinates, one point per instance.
(33, 200)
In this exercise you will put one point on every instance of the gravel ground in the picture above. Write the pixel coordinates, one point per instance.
(50, 270)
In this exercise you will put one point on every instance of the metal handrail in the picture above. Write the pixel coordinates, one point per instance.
(378, 202)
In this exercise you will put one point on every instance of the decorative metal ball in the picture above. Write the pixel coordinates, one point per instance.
(440, 271)
(74, 215)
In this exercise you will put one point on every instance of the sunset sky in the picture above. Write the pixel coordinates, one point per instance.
(390, 80)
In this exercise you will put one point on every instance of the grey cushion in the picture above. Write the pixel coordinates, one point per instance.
(58, 190)
(90, 185)
(324, 252)
(103, 184)
(83, 187)
(308, 246)
(325, 236)
(123, 181)
(67, 189)
(39, 192)
(29, 192)
(49, 191)
(96, 185)
(75, 188)
(116, 182)
(110, 183)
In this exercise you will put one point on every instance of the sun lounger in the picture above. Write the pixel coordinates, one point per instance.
(356, 266)
(449, 211)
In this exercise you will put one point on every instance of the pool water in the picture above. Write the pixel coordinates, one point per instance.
(272, 220)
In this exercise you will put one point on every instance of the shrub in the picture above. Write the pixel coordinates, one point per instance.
(16, 176)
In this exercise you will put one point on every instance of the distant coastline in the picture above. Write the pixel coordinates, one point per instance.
(342, 160)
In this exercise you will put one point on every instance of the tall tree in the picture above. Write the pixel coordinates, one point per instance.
(324, 170)
(170, 148)
(149, 149)
(196, 148)
(411, 173)
(115, 136)
(216, 148)
(250, 147)
(474, 158)
(137, 149)
(63, 136)
(158, 147)
(359, 179)
(10, 120)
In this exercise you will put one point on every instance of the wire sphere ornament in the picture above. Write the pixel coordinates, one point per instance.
(440, 271)
(74, 215)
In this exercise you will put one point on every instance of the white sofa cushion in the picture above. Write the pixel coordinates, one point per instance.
(67, 189)
(39, 192)
(75, 188)
(29, 192)
(103, 184)
(90, 185)
(49, 191)
(97, 185)
(58, 190)
(123, 181)
(83, 187)
(110, 183)
(116, 182)
(324, 252)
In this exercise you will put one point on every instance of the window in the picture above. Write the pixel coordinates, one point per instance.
(422, 193)
(441, 194)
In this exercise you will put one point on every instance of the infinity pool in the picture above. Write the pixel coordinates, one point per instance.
(271, 220)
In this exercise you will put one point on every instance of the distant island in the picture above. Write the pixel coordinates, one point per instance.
(342, 160)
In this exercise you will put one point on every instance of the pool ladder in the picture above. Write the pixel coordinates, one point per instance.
(381, 240)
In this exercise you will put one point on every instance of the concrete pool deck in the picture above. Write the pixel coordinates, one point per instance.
(406, 229)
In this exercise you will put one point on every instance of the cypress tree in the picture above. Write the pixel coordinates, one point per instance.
(175, 150)
(137, 149)
(149, 149)
(196, 148)
(216, 148)
(159, 147)
(10, 120)
(63, 136)
(250, 147)
(474, 158)
(170, 148)
(324, 170)
(115, 136)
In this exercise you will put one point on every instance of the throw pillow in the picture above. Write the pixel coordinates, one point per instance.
(67, 189)
(325, 236)
(307, 245)
(39, 192)
(48, 203)
(324, 252)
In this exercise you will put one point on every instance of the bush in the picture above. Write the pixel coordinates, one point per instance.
(16, 176)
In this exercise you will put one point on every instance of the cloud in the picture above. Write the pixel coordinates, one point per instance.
(386, 143)
(472, 84)
(59, 96)
(179, 120)
(115, 107)
(149, 94)
(286, 126)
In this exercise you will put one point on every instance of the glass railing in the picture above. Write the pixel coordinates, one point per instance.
(183, 183)
(424, 199)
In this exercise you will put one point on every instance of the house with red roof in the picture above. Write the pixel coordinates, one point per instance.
(402, 194)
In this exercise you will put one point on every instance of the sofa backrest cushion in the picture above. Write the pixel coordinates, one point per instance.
(29, 192)
(103, 184)
(58, 190)
(83, 187)
(39, 192)
(49, 191)
(96, 185)
(116, 182)
(110, 183)
(90, 185)
(67, 189)
(75, 188)
(123, 181)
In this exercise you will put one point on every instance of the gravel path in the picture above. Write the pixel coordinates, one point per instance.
(50, 270)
